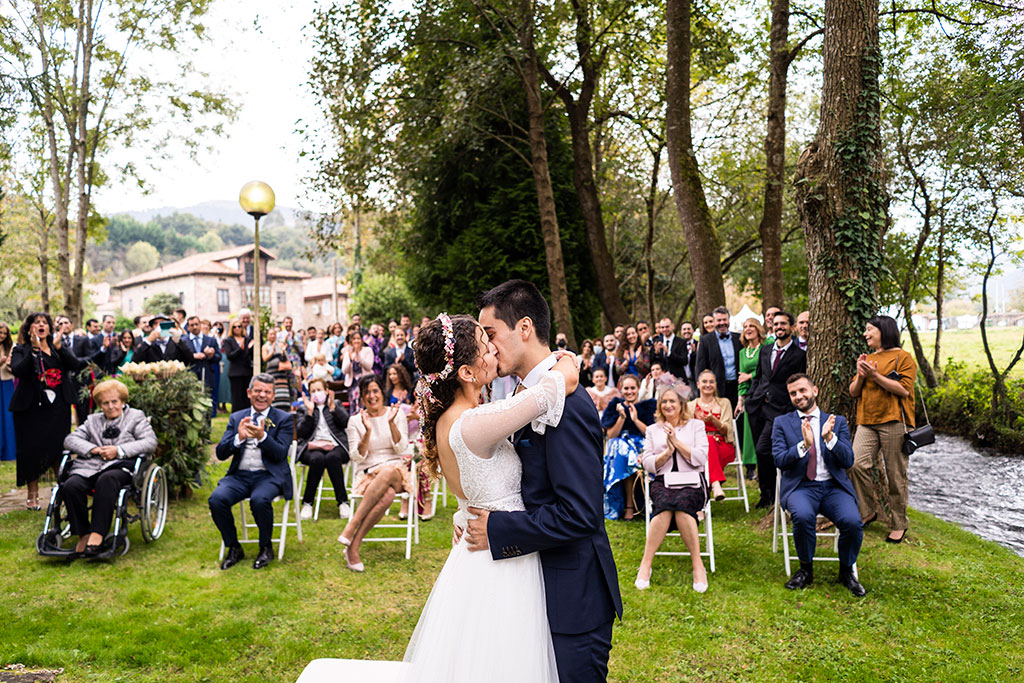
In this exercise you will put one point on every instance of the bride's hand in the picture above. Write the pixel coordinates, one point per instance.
(567, 365)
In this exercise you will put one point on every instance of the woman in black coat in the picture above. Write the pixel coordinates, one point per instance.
(41, 404)
(323, 445)
(238, 349)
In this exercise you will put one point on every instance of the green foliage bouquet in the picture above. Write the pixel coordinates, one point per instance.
(178, 408)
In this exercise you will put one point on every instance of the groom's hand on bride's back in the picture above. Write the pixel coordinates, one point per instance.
(476, 530)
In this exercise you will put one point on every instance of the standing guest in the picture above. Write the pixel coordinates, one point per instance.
(562, 342)
(337, 337)
(238, 349)
(716, 413)
(604, 353)
(141, 328)
(257, 440)
(356, 361)
(292, 340)
(161, 344)
(245, 317)
(803, 329)
(107, 341)
(323, 445)
(401, 353)
(885, 386)
(378, 441)
(632, 358)
(619, 332)
(220, 333)
(357, 320)
(392, 325)
(405, 323)
(80, 346)
(375, 340)
(720, 354)
(105, 449)
(625, 422)
(753, 339)
(42, 399)
(178, 316)
(122, 352)
(207, 328)
(205, 354)
(690, 346)
(675, 443)
(769, 323)
(768, 397)
(813, 450)
(644, 330)
(415, 331)
(600, 392)
(278, 366)
(7, 442)
(707, 325)
(587, 363)
(318, 345)
(670, 350)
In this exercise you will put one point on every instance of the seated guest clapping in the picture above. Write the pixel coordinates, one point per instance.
(813, 450)
(105, 448)
(716, 413)
(625, 422)
(676, 452)
(323, 445)
(256, 440)
(378, 441)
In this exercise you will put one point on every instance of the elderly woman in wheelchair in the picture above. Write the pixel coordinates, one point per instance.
(109, 449)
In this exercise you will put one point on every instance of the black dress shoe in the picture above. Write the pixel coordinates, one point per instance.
(890, 539)
(847, 579)
(234, 556)
(802, 579)
(762, 504)
(264, 557)
(93, 550)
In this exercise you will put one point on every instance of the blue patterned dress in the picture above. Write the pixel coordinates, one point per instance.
(622, 453)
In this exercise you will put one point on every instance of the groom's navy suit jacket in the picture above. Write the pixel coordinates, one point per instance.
(563, 492)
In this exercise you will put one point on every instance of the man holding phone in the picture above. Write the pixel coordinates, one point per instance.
(164, 342)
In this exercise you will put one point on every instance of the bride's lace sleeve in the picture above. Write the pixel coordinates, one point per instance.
(540, 406)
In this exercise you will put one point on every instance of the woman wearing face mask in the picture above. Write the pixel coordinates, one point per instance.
(625, 422)
(323, 445)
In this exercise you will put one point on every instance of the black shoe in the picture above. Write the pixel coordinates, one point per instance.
(847, 579)
(264, 557)
(762, 504)
(890, 539)
(234, 556)
(802, 579)
(93, 550)
(864, 524)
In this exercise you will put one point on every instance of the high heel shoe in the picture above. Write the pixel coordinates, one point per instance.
(700, 587)
(716, 489)
(643, 584)
(357, 567)
(344, 541)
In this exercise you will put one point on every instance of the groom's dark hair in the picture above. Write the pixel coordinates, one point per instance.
(518, 299)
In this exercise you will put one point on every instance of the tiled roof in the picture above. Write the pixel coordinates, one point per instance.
(206, 263)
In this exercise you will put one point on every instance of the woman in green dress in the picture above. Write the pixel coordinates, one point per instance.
(752, 338)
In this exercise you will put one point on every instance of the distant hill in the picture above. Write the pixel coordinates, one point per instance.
(217, 211)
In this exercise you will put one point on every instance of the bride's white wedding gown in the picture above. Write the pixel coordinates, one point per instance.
(485, 619)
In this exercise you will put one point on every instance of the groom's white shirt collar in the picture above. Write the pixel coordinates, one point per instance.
(538, 371)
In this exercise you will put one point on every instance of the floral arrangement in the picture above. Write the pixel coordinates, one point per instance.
(161, 369)
(50, 378)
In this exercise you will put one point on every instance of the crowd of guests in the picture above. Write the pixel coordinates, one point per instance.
(677, 404)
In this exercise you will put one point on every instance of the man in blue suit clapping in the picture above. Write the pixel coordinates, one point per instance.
(256, 440)
(813, 451)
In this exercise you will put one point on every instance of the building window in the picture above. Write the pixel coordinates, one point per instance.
(264, 296)
(282, 300)
(223, 301)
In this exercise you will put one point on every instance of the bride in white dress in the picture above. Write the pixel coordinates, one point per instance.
(485, 620)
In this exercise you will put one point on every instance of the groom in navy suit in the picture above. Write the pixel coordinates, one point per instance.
(257, 441)
(813, 451)
(562, 490)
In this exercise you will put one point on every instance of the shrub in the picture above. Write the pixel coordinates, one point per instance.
(178, 408)
(962, 404)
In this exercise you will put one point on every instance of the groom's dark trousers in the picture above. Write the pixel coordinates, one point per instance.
(564, 521)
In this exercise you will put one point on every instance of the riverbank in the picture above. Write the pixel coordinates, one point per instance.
(944, 605)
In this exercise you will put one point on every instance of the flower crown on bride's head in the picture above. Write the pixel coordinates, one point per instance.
(427, 379)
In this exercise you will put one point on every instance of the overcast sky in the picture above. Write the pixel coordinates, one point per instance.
(257, 52)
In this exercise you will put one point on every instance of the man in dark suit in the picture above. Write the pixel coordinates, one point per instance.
(720, 353)
(669, 350)
(157, 346)
(768, 398)
(602, 357)
(563, 494)
(82, 348)
(813, 451)
(257, 441)
(204, 350)
(690, 347)
(401, 352)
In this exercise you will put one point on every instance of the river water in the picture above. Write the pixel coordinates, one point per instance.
(981, 493)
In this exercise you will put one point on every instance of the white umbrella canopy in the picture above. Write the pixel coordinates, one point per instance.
(737, 320)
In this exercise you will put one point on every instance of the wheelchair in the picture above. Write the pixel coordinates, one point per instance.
(143, 500)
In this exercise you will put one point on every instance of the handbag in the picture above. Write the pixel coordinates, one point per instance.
(678, 480)
(918, 437)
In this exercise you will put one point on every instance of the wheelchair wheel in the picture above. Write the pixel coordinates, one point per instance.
(153, 503)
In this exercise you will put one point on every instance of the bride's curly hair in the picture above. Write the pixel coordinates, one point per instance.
(436, 396)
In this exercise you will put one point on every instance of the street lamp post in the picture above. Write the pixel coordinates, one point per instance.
(257, 200)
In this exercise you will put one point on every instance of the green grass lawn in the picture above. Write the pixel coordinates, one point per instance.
(965, 346)
(943, 606)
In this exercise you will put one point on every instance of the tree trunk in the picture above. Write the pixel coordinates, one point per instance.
(44, 259)
(702, 241)
(652, 216)
(940, 292)
(542, 180)
(82, 157)
(770, 230)
(842, 199)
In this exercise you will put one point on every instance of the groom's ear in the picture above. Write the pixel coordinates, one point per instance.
(525, 328)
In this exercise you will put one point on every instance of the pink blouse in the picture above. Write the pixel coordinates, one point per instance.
(656, 442)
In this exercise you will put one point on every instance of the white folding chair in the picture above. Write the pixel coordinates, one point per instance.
(739, 491)
(321, 487)
(283, 525)
(708, 533)
(411, 524)
(780, 518)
